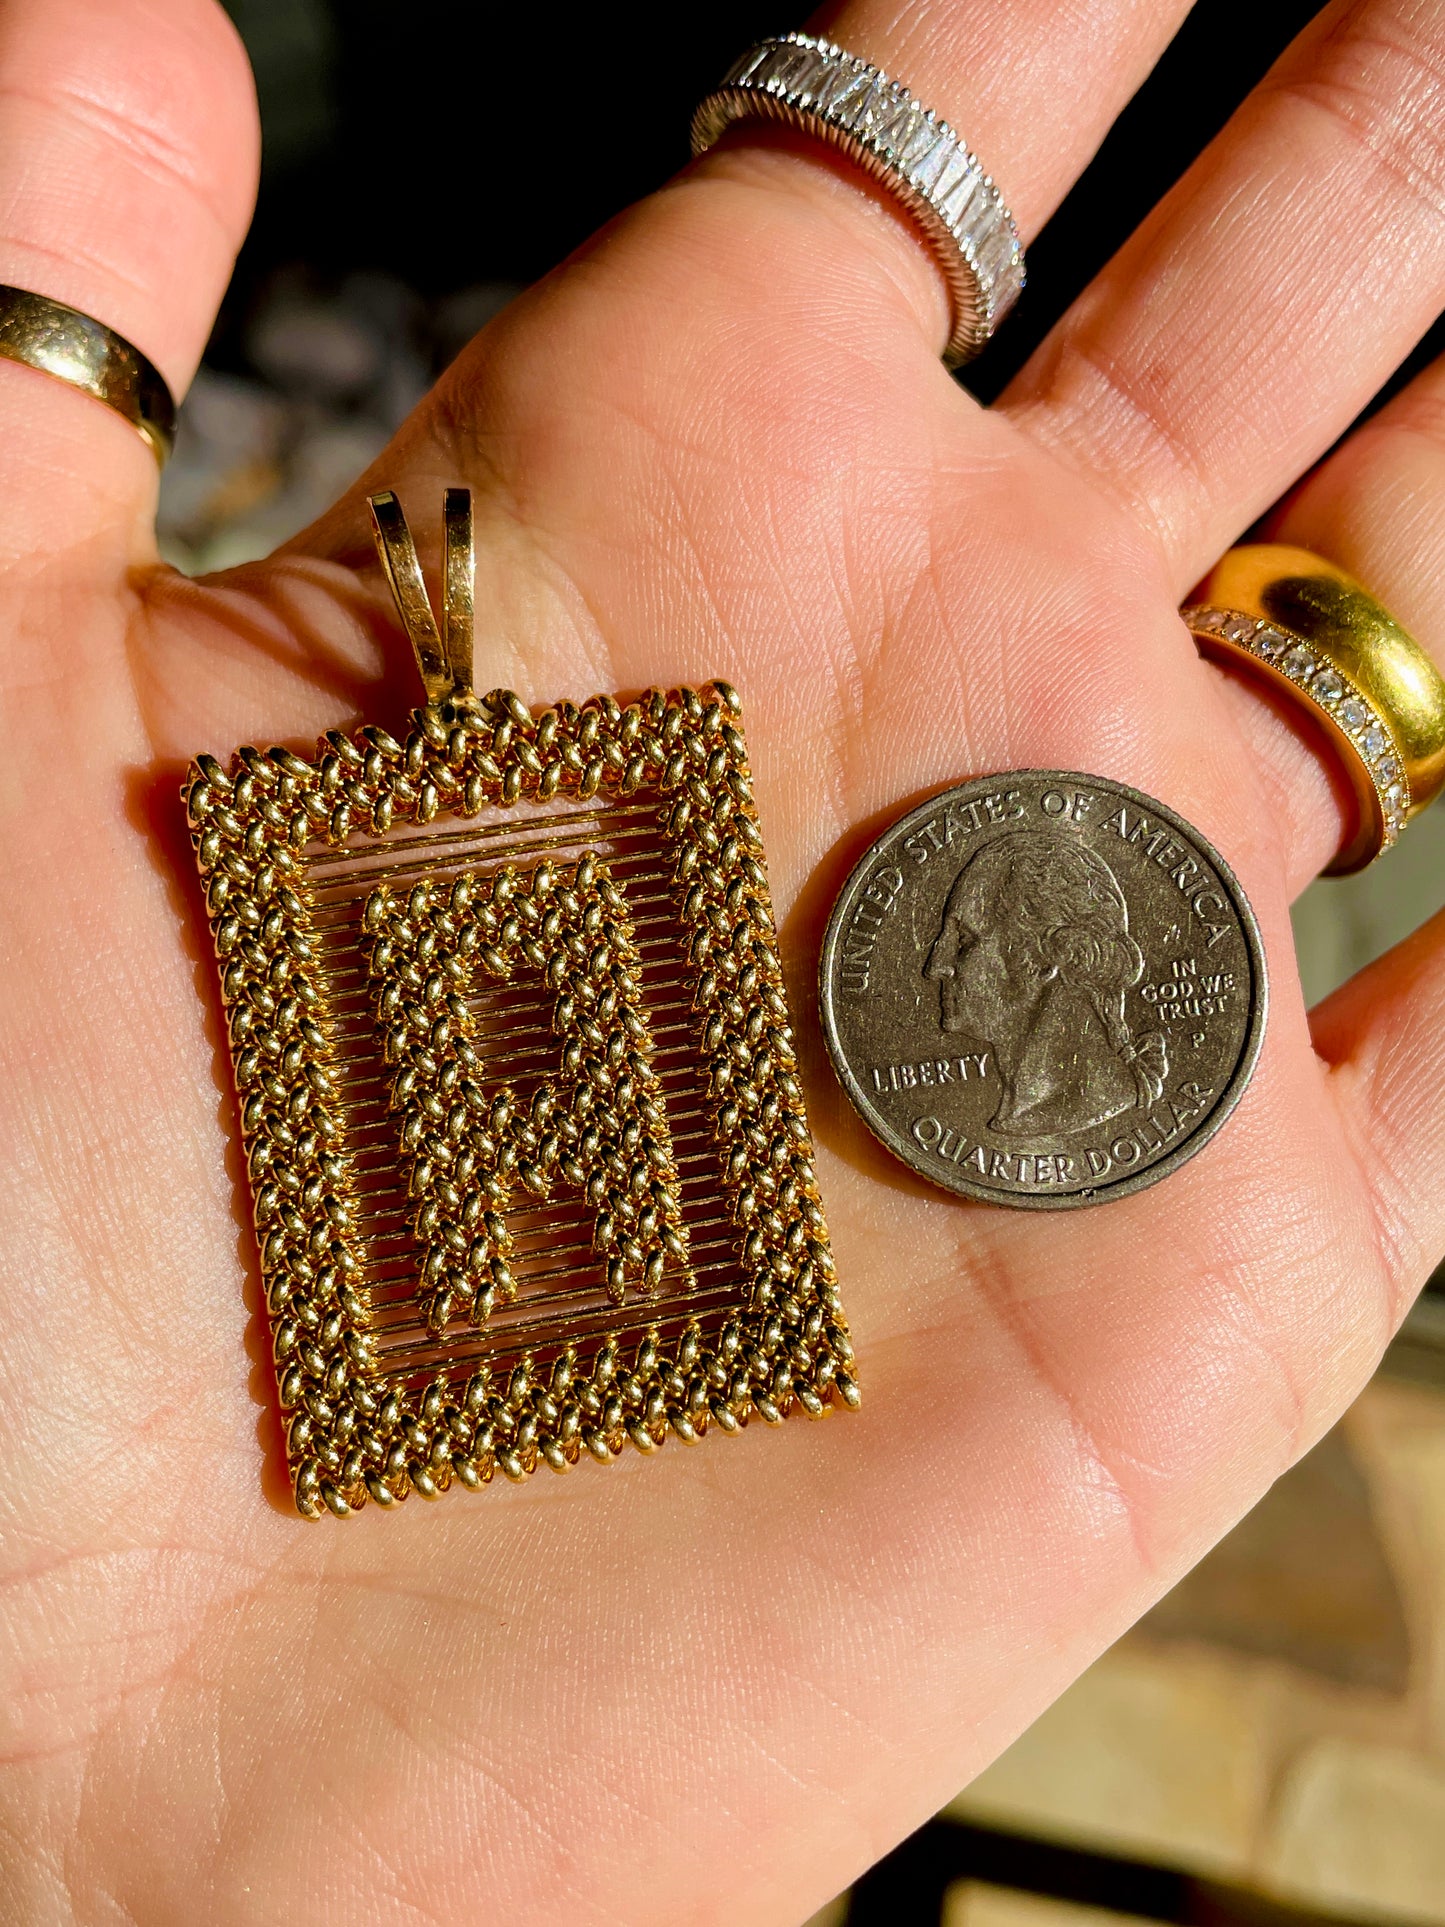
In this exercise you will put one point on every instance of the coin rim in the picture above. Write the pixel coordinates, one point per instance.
(1107, 1192)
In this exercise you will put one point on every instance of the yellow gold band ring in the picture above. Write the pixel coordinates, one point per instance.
(78, 349)
(1315, 633)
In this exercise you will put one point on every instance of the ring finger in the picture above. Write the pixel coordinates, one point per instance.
(1377, 508)
(1252, 315)
(1269, 294)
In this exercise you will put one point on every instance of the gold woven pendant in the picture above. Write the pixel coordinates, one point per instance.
(528, 1152)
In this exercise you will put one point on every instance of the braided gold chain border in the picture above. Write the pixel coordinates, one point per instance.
(784, 1345)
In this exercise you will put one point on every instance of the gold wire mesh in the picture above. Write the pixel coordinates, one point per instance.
(529, 1158)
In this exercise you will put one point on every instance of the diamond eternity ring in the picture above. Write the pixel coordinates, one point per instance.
(817, 88)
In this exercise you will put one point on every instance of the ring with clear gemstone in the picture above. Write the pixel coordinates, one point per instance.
(1317, 634)
(1300, 664)
(818, 88)
(1355, 722)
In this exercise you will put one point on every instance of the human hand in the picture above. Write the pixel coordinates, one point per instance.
(718, 443)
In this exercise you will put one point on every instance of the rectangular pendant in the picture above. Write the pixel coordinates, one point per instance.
(529, 1158)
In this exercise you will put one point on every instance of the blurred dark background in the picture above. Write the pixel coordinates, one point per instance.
(422, 164)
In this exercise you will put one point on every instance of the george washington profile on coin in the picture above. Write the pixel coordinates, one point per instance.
(1043, 989)
(1034, 956)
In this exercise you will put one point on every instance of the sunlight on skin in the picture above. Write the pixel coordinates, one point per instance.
(719, 443)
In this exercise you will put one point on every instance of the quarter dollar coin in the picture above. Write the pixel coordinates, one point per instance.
(1043, 989)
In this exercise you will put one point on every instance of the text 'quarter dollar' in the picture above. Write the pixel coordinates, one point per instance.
(1042, 989)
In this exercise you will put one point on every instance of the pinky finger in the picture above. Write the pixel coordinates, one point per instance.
(1383, 1036)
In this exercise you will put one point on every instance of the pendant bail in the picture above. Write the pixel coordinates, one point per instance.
(443, 655)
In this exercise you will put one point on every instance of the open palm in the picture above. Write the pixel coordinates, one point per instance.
(717, 443)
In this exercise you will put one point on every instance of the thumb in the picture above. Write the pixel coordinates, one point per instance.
(128, 154)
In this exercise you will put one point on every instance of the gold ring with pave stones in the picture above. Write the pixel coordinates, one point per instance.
(1316, 634)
